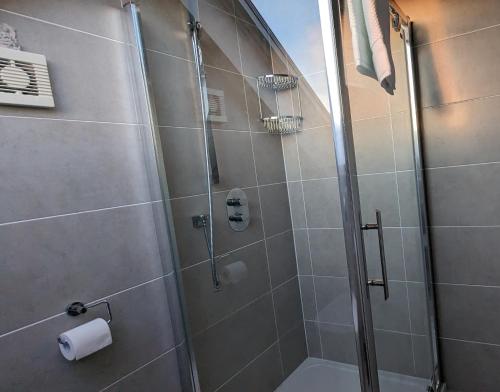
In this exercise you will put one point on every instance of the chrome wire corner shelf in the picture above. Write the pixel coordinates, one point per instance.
(278, 81)
(280, 124)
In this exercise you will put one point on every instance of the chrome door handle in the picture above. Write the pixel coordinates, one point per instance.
(378, 226)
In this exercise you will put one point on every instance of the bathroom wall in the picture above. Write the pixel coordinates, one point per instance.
(457, 46)
(384, 161)
(249, 335)
(77, 216)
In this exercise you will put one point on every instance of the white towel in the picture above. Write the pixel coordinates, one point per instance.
(370, 24)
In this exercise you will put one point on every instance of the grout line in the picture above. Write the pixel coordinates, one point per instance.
(79, 213)
(467, 285)
(62, 26)
(88, 302)
(170, 55)
(470, 341)
(260, 203)
(466, 227)
(457, 36)
(464, 165)
(247, 365)
(445, 104)
(376, 329)
(222, 255)
(402, 237)
(174, 348)
(69, 120)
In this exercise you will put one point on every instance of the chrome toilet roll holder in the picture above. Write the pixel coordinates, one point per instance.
(77, 308)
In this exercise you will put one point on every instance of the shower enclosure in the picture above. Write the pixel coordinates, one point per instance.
(293, 196)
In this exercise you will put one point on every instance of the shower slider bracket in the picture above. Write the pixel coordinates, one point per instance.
(77, 308)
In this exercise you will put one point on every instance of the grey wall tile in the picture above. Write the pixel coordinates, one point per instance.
(438, 20)
(423, 356)
(282, 261)
(338, 343)
(206, 306)
(99, 91)
(394, 352)
(293, 349)
(288, 306)
(408, 204)
(264, 374)
(136, 340)
(261, 102)
(413, 254)
(462, 133)
(462, 309)
(378, 191)
(235, 160)
(373, 145)
(400, 101)
(185, 176)
(191, 241)
(218, 40)
(418, 308)
(393, 253)
(367, 99)
(297, 207)
(438, 75)
(291, 157)
(224, 5)
(322, 203)
(174, 77)
(314, 101)
(466, 255)
(470, 366)
(268, 158)
(84, 256)
(253, 324)
(464, 195)
(103, 18)
(308, 297)
(333, 300)
(328, 252)
(275, 209)
(302, 252)
(165, 26)
(391, 314)
(160, 375)
(313, 339)
(403, 143)
(234, 98)
(66, 167)
(255, 50)
(316, 152)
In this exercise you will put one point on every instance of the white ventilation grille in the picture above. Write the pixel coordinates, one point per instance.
(216, 105)
(24, 79)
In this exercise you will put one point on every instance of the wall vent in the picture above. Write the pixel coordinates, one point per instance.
(24, 79)
(216, 105)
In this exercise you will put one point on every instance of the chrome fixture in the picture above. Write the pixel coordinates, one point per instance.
(77, 308)
(278, 81)
(211, 167)
(238, 213)
(380, 234)
(280, 124)
(204, 222)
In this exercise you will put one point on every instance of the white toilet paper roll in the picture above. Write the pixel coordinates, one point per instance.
(234, 272)
(85, 339)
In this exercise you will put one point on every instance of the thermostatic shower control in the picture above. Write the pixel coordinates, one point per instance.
(238, 213)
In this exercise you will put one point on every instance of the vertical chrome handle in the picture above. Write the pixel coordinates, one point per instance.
(381, 247)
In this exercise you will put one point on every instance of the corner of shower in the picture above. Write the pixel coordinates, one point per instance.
(233, 145)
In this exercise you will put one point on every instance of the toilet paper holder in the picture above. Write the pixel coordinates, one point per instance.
(77, 308)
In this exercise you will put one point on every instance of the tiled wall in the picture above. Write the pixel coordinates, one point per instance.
(250, 335)
(458, 56)
(77, 217)
(382, 138)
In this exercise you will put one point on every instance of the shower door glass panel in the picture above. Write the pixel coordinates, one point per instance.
(382, 134)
